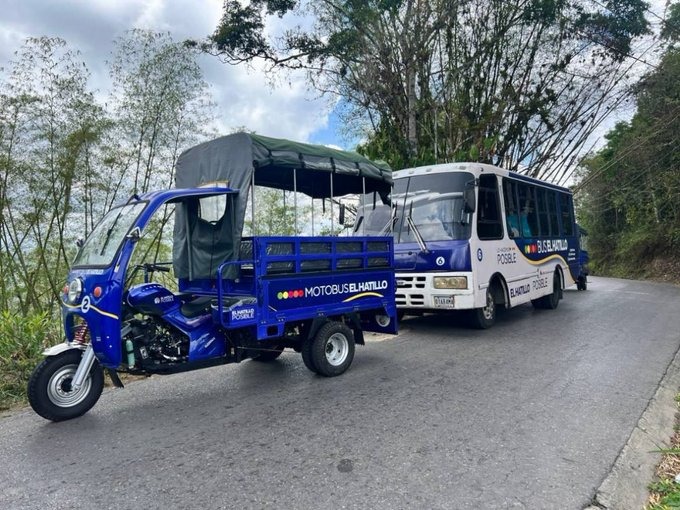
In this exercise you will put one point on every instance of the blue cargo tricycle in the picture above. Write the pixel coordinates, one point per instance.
(222, 297)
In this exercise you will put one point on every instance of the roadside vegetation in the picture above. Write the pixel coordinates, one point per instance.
(628, 196)
(665, 493)
(22, 340)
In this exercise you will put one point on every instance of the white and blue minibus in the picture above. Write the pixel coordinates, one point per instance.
(475, 237)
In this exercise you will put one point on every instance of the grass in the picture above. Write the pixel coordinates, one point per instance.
(22, 340)
(665, 493)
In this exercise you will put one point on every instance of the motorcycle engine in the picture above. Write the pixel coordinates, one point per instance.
(156, 344)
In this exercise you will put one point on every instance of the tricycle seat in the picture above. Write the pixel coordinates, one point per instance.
(231, 301)
(196, 307)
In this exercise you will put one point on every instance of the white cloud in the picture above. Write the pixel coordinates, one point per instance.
(244, 96)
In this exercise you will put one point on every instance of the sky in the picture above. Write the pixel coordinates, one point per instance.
(244, 97)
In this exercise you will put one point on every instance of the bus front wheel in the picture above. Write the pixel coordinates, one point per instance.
(485, 317)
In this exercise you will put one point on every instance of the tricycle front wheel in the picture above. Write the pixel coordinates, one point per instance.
(331, 351)
(49, 388)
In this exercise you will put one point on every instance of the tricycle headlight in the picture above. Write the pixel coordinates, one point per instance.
(450, 282)
(75, 289)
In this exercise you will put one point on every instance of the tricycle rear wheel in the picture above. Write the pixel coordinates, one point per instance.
(331, 351)
(49, 388)
(306, 352)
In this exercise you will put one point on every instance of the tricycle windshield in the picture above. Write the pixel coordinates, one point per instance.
(102, 244)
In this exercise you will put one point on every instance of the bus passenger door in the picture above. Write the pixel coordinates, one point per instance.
(489, 240)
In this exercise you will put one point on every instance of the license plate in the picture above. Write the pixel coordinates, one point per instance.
(443, 301)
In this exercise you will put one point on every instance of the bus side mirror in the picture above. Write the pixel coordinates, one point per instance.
(469, 203)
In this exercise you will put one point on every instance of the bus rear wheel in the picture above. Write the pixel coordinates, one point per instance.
(550, 301)
(582, 283)
(485, 317)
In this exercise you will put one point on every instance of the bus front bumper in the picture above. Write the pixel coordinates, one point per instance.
(415, 291)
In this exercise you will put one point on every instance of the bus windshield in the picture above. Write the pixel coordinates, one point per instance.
(433, 202)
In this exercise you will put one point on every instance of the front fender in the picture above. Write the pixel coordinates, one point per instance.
(63, 347)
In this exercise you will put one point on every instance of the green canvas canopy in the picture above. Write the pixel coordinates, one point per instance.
(281, 164)
(241, 159)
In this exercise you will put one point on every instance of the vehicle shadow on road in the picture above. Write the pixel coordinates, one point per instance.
(458, 322)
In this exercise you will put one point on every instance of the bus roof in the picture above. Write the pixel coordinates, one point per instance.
(474, 168)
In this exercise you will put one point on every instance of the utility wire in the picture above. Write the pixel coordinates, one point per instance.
(623, 155)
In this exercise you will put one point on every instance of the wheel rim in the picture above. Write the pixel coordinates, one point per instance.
(488, 310)
(59, 387)
(337, 349)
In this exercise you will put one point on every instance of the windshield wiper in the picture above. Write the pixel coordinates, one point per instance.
(388, 229)
(109, 232)
(115, 222)
(416, 232)
(389, 226)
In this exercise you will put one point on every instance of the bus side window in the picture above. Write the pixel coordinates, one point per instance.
(552, 213)
(528, 215)
(544, 222)
(511, 212)
(489, 225)
(566, 215)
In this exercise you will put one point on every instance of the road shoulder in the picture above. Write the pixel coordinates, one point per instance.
(626, 485)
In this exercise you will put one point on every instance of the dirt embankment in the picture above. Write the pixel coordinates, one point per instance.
(664, 269)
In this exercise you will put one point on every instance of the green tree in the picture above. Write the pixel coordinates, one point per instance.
(512, 83)
(275, 213)
(65, 160)
(629, 192)
(160, 106)
(48, 121)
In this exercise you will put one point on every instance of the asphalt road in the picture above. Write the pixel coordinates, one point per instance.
(529, 414)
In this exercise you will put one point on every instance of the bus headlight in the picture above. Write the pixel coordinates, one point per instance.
(450, 282)
(75, 289)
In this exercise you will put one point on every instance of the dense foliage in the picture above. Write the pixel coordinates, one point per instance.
(22, 340)
(629, 196)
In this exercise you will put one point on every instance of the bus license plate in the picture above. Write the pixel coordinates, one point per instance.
(443, 301)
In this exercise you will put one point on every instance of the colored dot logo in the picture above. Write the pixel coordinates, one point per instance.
(290, 294)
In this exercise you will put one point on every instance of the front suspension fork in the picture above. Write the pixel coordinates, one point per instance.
(84, 368)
